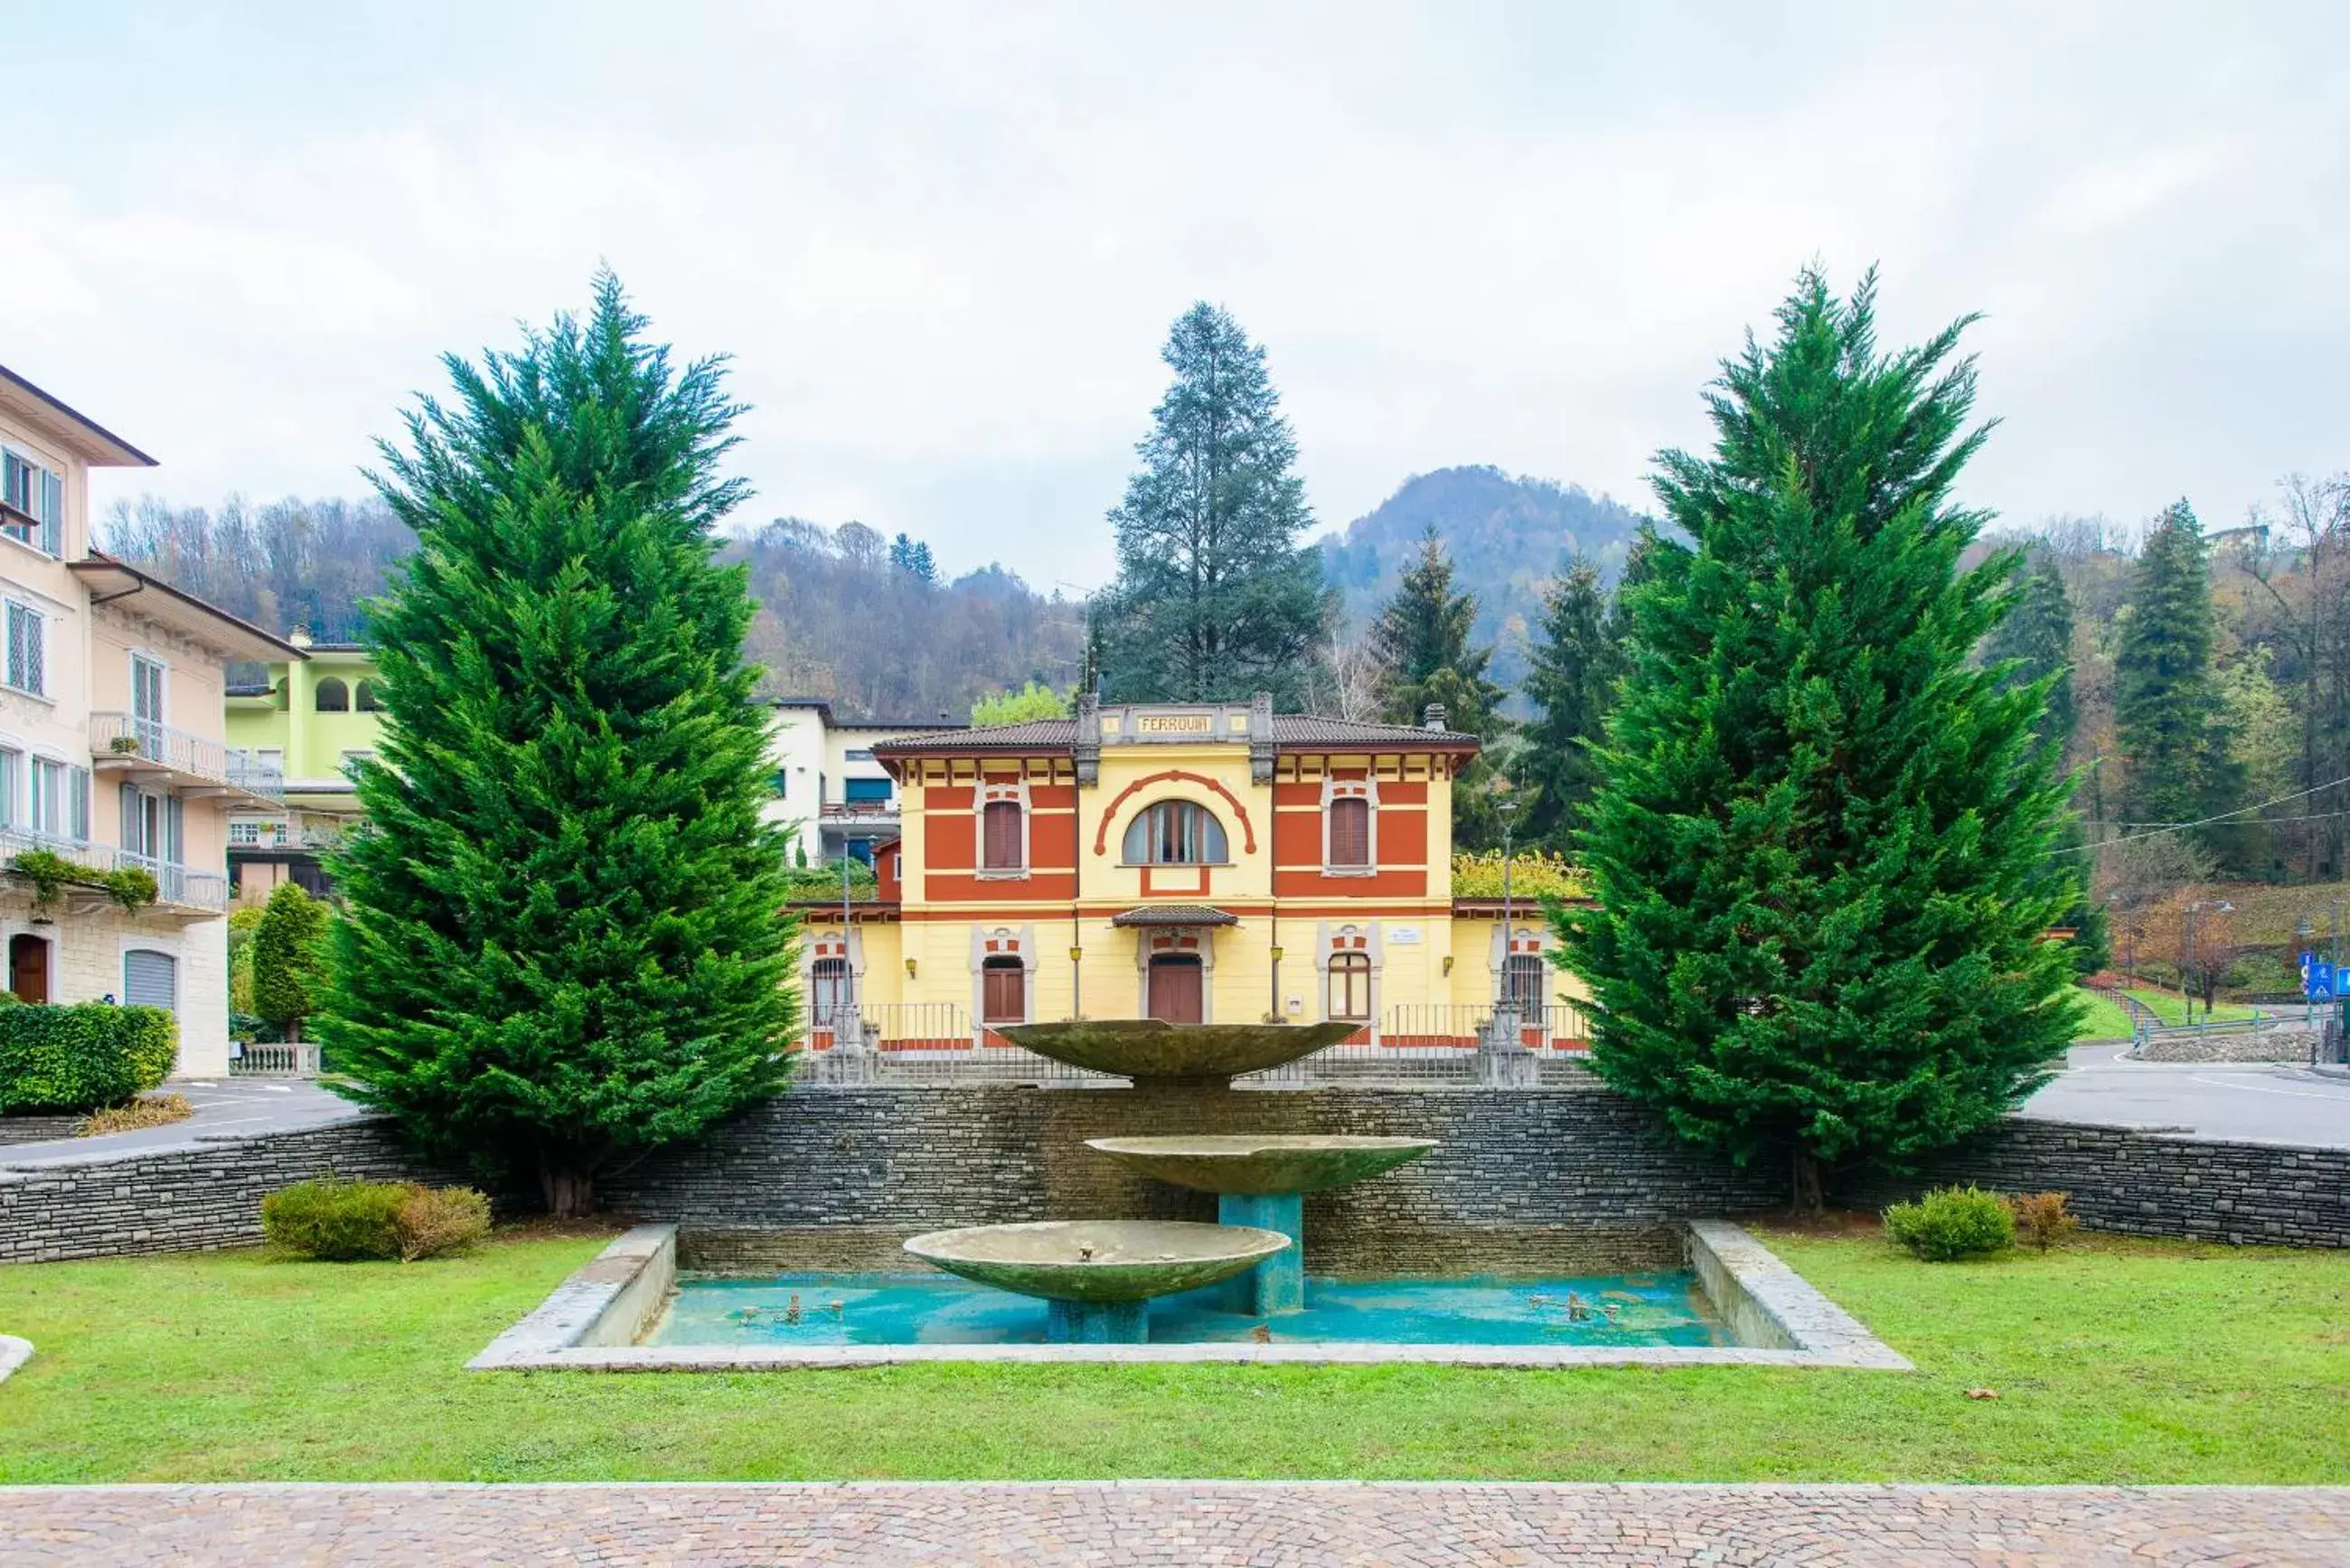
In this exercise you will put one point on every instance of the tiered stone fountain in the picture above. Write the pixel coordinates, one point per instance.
(1099, 1275)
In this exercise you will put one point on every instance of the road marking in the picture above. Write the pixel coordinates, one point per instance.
(2255, 1088)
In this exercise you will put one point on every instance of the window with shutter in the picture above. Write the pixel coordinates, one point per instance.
(27, 650)
(12, 787)
(1000, 836)
(150, 978)
(1350, 832)
(1003, 991)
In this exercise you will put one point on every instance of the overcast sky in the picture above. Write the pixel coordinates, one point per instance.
(945, 244)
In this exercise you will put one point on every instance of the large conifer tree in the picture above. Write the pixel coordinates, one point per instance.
(1216, 599)
(564, 939)
(2166, 698)
(2034, 643)
(1571, 681)
(1821, 849)
(1420, 642)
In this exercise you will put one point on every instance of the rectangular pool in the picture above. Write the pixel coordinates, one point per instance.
(880, 1309)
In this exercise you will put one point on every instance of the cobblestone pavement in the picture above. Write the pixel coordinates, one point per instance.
(1106, 1524)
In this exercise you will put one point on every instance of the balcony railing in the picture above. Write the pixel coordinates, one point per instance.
(138, 740)
(858, 809)
(174, 884)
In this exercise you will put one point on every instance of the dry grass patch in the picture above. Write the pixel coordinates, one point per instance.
(146, 1111)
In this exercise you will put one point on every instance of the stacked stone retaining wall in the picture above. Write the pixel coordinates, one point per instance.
(1526, 1180)
(2147, 1184)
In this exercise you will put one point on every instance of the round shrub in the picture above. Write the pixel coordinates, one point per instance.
(1952, 1222)
(83, 1057)
(339, 1221)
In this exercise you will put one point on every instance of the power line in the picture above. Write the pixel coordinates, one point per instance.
(2223, 816)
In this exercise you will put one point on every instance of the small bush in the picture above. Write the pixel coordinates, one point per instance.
(437, 1219)
(2042, 1219)
(1953, 1223)
(146, 1111)
(346, 1221)
(82, 1057)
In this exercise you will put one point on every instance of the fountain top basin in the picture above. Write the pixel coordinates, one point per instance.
(1261, 1163)
(1151, 1048)
(1098, 1260)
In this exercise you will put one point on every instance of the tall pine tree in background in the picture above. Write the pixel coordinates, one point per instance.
(1574, 665)
(2166, 698)
(2036, 641)
(1216, 599)
(1822, 846)
(1422, 644)
(564, 939)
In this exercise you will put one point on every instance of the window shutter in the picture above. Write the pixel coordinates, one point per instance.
(175, 825)
(150, 978)
(1350, 832)
(1001, 821)
(131, 839)
(36, 653)
(78, 803)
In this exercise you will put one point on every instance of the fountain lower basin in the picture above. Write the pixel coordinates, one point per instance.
(1098, 1274)
(1149, 1050)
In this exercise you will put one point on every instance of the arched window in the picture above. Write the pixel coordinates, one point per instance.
(1350, 831)
(1350, 986)
(370, 698)
(828, 993)
(1176, 832)
(1002, 991)
(999, 836)
(333, 696)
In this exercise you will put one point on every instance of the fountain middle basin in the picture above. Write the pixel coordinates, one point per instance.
(1260, 1180)
(1148, 1049)
(1098, 1274)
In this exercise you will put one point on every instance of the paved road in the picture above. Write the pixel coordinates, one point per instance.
(231, 1108)
(1110, 1524)
(2250, 1101)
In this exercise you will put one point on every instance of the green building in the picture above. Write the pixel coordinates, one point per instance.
(313, 718)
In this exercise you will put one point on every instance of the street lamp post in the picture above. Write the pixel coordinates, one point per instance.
(1508, 811)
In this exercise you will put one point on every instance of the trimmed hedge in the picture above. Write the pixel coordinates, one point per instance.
(82, 1057)
(345, 1222)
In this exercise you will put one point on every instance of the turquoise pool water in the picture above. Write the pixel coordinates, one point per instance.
(938, 1308)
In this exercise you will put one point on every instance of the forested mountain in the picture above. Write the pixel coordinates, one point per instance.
(1507, 539)
(843, 613)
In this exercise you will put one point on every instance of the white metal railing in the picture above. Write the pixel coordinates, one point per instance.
(173, 884)
(125, 735)
(921, 1043)
(177, 884)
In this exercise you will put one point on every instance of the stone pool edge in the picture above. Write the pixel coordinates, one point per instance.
(590, 1321)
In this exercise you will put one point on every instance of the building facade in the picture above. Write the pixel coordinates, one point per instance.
(112, 750)
(830, 789)
(1215, 863)
(309, 718)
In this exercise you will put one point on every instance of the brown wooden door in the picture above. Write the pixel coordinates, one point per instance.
(28, 968)
(1175, 989)
(1004, 992)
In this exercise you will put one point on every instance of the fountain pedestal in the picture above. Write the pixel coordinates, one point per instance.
(1096, 1322)
(1278, 1283)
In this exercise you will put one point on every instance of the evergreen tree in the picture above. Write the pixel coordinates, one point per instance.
(289, 958)
(2166, 702)
(564, 939)
(1822, 845)
(2035, 644)
(1215, 597)
(1422, 644)
(1571, 684)
(913, 556)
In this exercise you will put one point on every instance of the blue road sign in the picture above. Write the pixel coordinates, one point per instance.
(2317, 978)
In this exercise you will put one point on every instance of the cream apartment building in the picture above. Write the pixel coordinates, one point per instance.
(111, 748)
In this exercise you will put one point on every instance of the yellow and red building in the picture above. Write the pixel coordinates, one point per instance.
(1211, 863)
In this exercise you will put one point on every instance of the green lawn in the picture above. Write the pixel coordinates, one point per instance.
(2102, 1019)
(2115, 1360)
(2170, 1008)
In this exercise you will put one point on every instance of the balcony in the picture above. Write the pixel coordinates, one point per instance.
(177, 888)
(847, 813)
(141, 751)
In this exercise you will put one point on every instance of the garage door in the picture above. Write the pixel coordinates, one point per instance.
(150, 978)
